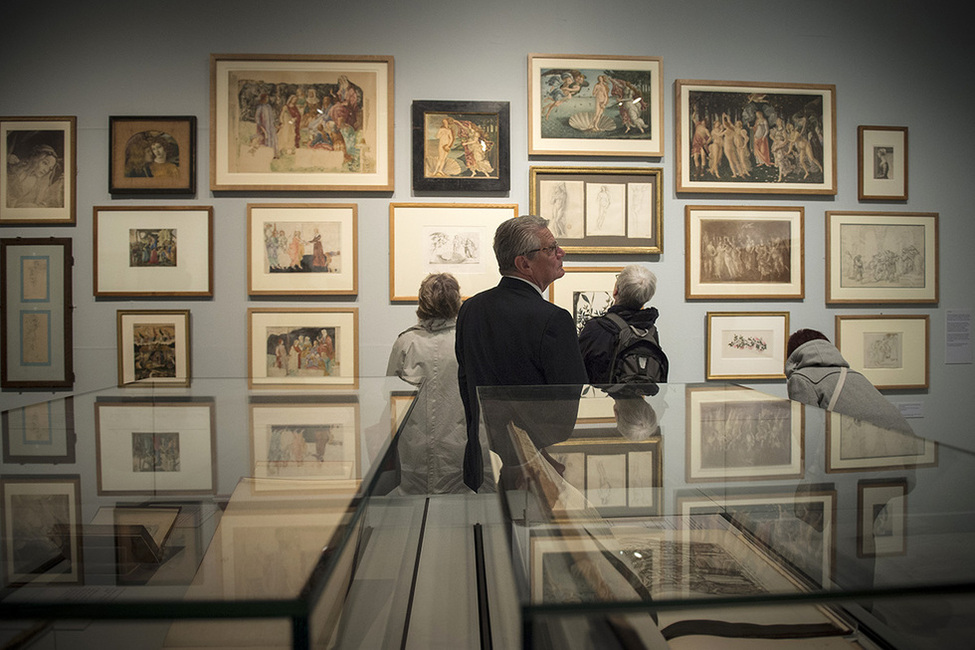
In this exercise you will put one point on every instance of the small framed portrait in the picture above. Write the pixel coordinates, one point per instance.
(746, 345)
(152, 155)
(153, 347)
(892, 351)
(39, 163)
(882, 163)
(881, 517)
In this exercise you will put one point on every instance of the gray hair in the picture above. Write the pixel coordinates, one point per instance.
(635, 286)
(635, 418)
(515, 237)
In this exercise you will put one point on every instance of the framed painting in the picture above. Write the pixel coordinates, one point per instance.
(461, 146)
(725, 443)
(892, 351)
(303, 348)
(595, 105)
(854, 445)
(881, 257)
(737, 253)
(585, 292)
(40, 433)
(35, 313)
(152, 155)
(146, 252)
(760, 138)
(604, 210)
(746, 345)
(882, 163)
(881, 517)
(451, 238)
(153, 347)
(301, 122)
(155, 447)
(40, 162)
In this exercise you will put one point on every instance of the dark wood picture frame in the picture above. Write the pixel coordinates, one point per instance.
(152, 155)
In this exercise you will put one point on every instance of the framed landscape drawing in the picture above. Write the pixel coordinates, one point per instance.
(854, 445)
(881, 517)
(892, 351)
(762, 138)
(461, 146)
(882, 163)
(301, 122)
(152, 155)
(36, 325)
(302, 249)
(451, 238)
(303, 348)
(40, 433)
(600, 210)
(153, 251)
(734, 253)
(153, 347)
(595, 105)
(585, 291)
(881, 257)
(38, 156)
(746, 345)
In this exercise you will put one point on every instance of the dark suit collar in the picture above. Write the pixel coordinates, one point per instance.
(509, 282)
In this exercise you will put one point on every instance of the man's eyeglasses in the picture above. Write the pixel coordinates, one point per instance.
(545, 249)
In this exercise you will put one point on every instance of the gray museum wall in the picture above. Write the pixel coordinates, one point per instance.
(893, 63)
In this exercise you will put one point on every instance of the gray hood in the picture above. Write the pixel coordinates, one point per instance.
(814, 354)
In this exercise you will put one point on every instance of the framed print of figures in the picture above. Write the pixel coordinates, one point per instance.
(303, 348)
(301, 122)
(733, 253)
(891, 351)
(585, 291)
(881, 257)
(157, 251)
(35, 302)
(462, 146)
(600, 210)
(881, 517)
(746, 345)
(152, 155)
(882, 163)
(301, 249)
(38, 157)
(154, 347)
(40, 433)
(762, 138)
(451, 238)
(854, 445)
(595, 105)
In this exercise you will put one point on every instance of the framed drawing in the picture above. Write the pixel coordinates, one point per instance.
(595, 105)
(39, 156)
(156, 446)
(452, 238)
(882, 163)
(302, 249)
(153, 347)
(585, 291)
(746, 345)
(152, 155)
(761, 138)
(854, 445)
(35, 313)
(303, 348)
(143, 252)
(604, 210)
(400, 406)
(461, 146)
(596, 406)
(881, 257)
(891, 351)
(736, 253)
(721, 434)
(881, 517)
(301, 122)
(40, 433)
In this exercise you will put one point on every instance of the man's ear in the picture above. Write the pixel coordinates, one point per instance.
(522, 264)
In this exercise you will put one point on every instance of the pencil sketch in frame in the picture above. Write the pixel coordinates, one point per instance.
(760, 138)
(881, 517)
(152, 155)
(153, 347)
(882, 163)
(585, 292)
(746, 345)
(38, 156)
(40, 433)
(892, 351)
(854, 445)
(737, 252)
(882, 257)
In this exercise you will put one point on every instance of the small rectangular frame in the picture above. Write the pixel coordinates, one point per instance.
(40, 433)
(43, 149)
(892, 351)
(153, 347)
(882, 163)
(881, 517)
(746, 345)
(152, 155)
(585, 291)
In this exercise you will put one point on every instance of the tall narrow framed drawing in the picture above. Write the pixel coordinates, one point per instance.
(153, 347)
(40, 162)
(892, 351)
(882, 163)
(881, 517)
(152, 155)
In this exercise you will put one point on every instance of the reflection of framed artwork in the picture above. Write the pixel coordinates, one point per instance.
(891, 351)
(882, 163)
(595, 105)
(600, 210)
(303, 348)
(790, 130)
(736, 434)
(585, 291)
(462, 146)
(145, 252)
(39, 159)
(881, 517)
(155, 447)
(746, 345)
(881, 257)
(856, 445)
(40, 433)
(152, 155)
(400, 404)
(36, 324)
(754, 252)
(302, 249)
(454, 238)
(42, 541)
(301, 122)
(154, 347)
(595, 406)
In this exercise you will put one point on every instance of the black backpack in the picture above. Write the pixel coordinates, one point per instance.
(637, 356)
